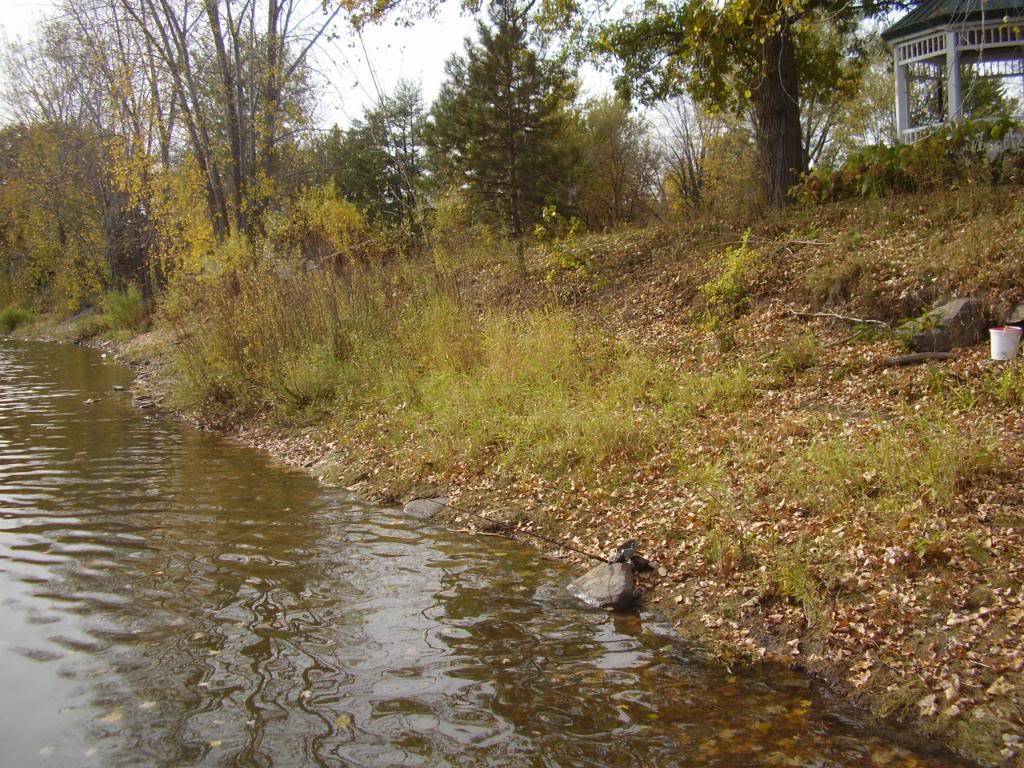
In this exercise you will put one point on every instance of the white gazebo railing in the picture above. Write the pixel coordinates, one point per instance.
(943, 44)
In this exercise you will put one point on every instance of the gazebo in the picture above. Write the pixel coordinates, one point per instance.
(944, 51)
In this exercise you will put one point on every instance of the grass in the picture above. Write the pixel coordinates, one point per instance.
(886, 467)
(771, 473)
(124, 311)
(12, 317)
(530, 389)
(795, 355)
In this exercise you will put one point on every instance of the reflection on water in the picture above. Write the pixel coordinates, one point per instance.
(167, 598)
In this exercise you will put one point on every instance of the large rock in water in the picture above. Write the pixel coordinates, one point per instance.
(609, 585)
(425, 508)
(957, 323)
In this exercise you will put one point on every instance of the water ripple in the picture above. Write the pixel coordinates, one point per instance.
(167, 598)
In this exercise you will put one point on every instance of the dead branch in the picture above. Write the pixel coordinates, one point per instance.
(844, 318)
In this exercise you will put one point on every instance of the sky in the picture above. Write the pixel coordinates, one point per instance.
(417, 53)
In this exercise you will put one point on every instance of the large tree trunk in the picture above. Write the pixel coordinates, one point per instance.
(777, 108)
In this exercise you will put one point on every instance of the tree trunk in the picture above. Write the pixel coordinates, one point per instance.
(778, 118)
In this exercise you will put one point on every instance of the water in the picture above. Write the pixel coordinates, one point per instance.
(168, 598)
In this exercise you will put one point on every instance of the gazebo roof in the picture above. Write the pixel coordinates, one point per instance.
(936, 14)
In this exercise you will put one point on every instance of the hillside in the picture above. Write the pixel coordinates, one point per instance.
(672, 384)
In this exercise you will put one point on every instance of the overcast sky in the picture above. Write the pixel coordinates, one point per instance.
(416, 54)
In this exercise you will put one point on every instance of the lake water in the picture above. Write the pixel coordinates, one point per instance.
(168, 598)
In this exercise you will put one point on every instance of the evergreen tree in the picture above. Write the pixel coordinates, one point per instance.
(498, 125)
(378, 163)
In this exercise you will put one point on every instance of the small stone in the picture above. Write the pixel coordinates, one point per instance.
(609, 585)
(119, 388)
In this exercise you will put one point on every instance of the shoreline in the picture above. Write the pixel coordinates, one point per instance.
(809, 504)
(317, 456)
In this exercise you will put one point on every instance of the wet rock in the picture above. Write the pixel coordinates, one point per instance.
(609, 585)
(425, 508)
(957, 323)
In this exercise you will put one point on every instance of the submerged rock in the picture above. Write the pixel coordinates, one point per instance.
(425, 508)
(957, 323)
(609, 585)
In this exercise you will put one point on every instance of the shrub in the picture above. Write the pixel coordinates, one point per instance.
(953, 153)
(125, 310)
(319, 225)
(13, 317)
(728, 293)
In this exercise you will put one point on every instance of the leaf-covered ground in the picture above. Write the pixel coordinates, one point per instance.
(802, 502)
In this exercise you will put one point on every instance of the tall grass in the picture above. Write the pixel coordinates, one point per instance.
(396, 350)
(124, 310)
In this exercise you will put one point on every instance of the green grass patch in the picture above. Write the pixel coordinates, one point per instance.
(124, 311)
(13, 317)
(887, 467)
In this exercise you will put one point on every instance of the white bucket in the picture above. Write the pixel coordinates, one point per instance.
(1005, 341)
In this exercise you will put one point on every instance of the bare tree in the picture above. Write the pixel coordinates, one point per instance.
(687, 134)
(236, 71)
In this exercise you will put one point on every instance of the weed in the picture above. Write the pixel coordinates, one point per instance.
(792, 577)
(125, 310)
(795, 355)
(728, 293)
(12, 317)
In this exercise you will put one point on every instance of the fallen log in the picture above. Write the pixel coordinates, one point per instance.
(914, 358)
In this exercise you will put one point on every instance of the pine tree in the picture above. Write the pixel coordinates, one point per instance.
(498, 126)
(377, 164)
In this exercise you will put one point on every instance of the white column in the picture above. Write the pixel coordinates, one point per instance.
(954, 95)
(902, 95)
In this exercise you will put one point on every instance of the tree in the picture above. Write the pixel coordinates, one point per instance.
(236, 74)
(498, 126)
(836, 57)
(619, 175)
(732, 54)
(688, 131)
(83, 131)
(378, 162)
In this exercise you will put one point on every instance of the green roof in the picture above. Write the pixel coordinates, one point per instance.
(935, 14)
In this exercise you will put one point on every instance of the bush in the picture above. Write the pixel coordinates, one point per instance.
(728, 294)
(951, 154)
(124, 310)
(12, 317)
(320, 226)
